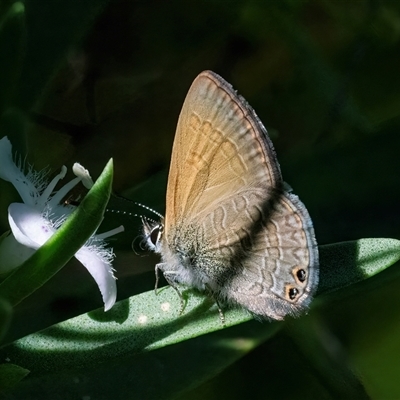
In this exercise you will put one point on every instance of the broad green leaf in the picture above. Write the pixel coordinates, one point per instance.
(158, 374)
(342, 264)
(127, 335)
(124, 336)
(142, 323)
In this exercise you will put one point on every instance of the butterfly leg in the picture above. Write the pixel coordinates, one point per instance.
(169, 277)
(157, 268)
(220, 312)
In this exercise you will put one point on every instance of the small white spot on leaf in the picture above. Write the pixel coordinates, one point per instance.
(142, 319)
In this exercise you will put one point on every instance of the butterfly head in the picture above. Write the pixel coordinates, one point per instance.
(153, 232)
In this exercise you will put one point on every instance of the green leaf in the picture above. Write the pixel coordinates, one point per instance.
(342, 264)
(145, 332)
(62, 246)
(88, 346)
(142, 323)
(152, 375)
(10, 375)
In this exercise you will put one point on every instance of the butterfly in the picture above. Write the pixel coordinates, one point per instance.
(232, 227)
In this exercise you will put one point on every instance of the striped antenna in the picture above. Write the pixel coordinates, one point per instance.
(149, 209)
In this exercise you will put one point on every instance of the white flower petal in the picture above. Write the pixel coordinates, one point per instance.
(101, 272)
(11, 173)
(28, 225)
(35, 221)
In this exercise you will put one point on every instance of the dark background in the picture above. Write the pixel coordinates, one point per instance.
(323, 76)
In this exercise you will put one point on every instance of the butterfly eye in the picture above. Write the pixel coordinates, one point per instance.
(156, 234)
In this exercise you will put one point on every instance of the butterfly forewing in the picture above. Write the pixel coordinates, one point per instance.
(219, 149)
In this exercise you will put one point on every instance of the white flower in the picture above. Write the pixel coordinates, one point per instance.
(35, 220)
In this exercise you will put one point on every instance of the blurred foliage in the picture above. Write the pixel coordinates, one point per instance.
(88, 80)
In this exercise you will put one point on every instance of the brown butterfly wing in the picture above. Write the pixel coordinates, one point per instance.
(251, 237)
(220, 147)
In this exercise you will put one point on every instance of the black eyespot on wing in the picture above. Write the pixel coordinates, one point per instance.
(301, 275)
(293, 292)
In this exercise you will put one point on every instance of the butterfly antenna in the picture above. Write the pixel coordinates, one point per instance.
(149, 209)
(115, 211)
